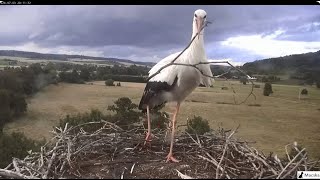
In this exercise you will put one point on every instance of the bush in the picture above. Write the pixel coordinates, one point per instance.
(94, 116)
(126, 113)
(244, 80)
(198, 125)
(158, 119)
(318, 84)
(109, 82)
(304, 92)
(267, 89)
(118, 84)
(16, 145)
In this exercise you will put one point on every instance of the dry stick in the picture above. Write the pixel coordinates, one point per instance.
(314, 164)
(287, 151)
(305, 161)
(213, 162)
(172, 62)
(290, 163)
(8, 166)
(208, 62)
(224, 150)
(54, 154)
(193, 140)
(288, 173)
(14, 162)
(11, 174)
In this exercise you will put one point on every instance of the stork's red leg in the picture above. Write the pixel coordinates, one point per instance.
(148, 136)
(170, 155)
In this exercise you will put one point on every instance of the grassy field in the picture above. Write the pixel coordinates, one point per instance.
(272, 121)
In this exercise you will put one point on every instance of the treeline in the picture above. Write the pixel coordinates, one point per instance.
(82, 73)
(18, 83)
(304, 67)
(65, 57)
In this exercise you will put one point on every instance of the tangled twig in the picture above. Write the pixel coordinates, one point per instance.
(222, 155)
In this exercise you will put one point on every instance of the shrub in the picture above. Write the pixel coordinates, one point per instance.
(267, 89)
(158, 119)
(318, 84)
(118, 84)
(126, 113)
(244, 80)
(73, 120)
(16, 145)
(198, 125)
(304, 92)
(109, 82)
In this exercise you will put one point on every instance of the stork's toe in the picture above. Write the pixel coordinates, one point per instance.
(171, 158)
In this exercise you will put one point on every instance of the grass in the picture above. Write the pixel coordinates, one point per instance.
(272, 122)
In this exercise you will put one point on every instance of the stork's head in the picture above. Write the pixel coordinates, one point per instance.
(200, 16)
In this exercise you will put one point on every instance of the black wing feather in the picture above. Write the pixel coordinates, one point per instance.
(152, 89)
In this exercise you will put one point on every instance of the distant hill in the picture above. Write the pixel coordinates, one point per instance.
(287, 65)
(65, 57)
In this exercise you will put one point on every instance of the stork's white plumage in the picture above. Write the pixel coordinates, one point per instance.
(176, 82)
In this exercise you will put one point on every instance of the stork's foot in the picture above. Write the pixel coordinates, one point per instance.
(148, 138)
(171, 158)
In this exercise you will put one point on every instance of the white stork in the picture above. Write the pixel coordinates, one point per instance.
(176, 82)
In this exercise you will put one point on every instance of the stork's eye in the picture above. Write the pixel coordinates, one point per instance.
(195, 15)
(204, 16)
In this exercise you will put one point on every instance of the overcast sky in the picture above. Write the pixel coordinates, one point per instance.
(150, 33)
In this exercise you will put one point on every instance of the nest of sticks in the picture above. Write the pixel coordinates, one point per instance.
(111, 152)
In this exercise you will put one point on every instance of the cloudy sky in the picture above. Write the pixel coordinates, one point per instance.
(150, 33)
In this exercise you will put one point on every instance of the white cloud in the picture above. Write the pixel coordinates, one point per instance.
(267, 46)
(275, 34)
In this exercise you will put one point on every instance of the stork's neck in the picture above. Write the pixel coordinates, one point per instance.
(198, 41)
(197, 46)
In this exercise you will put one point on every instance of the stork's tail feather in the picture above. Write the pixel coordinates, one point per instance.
(145, 99)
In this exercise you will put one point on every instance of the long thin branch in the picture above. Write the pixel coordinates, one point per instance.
(206, 75)
(171, 63)
(290, 163)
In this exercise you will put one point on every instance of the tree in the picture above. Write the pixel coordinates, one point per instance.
(5, 113)
(109, 82)
(85, 74)
(304, 92)
(244, 80)
(125, 112)
(198, 125)
(318, 83)
(74, 77)
(267, 89)
(16, 145)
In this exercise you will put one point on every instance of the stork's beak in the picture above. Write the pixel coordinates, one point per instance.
(199, 25)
